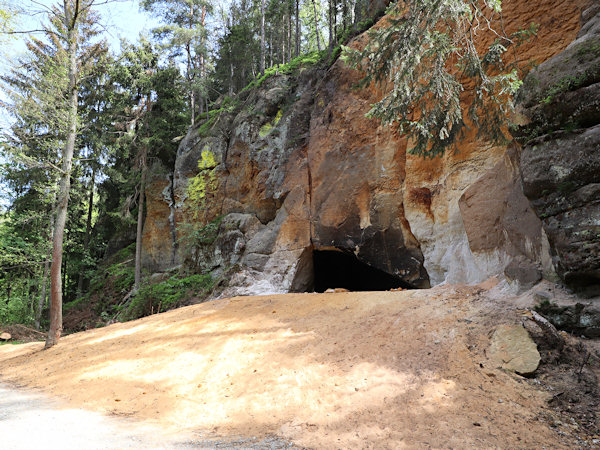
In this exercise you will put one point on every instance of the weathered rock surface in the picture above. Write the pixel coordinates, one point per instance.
(561, 164)
(159, 238)
(512, 349)
(583, 320)
(298, 167)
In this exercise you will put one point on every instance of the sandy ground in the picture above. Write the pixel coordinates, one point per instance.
(343, 370)
(29, 421)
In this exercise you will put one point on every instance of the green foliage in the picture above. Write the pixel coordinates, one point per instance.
(16, 309)
(207, 234)
(426, 58)
(295, 65)
(12, 342)
(569, 83)
(167, 294)
(211, 118)
(194, 237)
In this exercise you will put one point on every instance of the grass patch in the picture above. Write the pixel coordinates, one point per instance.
(210, 118)
(295, 65)
(12, 342)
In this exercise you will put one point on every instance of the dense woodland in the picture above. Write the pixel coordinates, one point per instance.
(88, 122)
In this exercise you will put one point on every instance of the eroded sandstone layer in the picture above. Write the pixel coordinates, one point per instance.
(297, 167)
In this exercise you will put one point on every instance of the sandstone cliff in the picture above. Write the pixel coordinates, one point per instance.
(297, 169)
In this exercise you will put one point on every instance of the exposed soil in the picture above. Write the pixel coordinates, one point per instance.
(340, 370)
(22, 333)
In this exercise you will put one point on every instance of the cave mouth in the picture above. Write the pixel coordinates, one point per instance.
(339, 269)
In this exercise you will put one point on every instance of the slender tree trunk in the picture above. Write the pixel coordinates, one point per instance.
(140, 224)
(289, 32)
(330, 20)
(43, 293)
(335, 25)
(42, 297)
(316, 24)
(297, 28)
(88, 232)
(282, 40)
(189, 80)
(271, 46)
(65, 182)
(262, 37)
(202, 60)
(344, 15)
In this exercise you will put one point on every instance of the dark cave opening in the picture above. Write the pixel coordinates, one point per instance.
(338, 269)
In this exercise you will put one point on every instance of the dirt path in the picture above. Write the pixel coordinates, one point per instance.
(30, 421)
(345, 370)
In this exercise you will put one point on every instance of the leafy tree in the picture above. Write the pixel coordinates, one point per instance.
(427, 57)
(184, 33)
(151, 102)
(46, 104)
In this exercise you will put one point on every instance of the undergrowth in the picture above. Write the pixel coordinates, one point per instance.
(110, 296)
(167, 294)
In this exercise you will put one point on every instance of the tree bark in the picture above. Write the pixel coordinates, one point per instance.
(140, 224)
(55, 330)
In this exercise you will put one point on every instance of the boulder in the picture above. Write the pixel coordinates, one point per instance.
(511, 348)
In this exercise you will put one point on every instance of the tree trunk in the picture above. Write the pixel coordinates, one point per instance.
(335, 25)
(88, 232)
(43, 294)
(65, 183)
(316, 25)
(189, 80)
(271, 46)
(330, 20)
(282, 40)
(289, 32)
(297, 28)
(202, 59)
(262, 37)
(140, 225)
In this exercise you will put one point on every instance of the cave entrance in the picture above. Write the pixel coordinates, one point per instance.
(339, 269)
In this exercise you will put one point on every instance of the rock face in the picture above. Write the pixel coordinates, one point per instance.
(298, 168)
(583, 320)
(561, 159)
